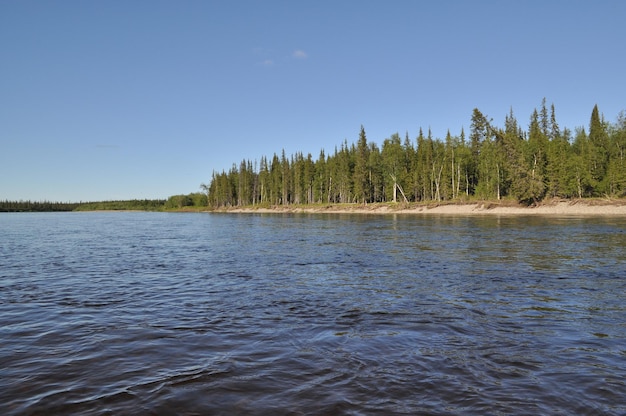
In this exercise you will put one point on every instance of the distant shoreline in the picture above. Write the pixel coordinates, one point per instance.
(578, 207)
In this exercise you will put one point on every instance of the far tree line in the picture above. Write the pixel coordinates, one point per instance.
(195, 200)
(490, 162)
(119, 205)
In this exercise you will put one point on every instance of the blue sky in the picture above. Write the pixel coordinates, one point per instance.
(104, 100)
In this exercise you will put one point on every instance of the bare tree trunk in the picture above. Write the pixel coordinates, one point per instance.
(402, 192)
(452, 174)
(458, 180)
(498, 180)
(330, 187)
(437, 184)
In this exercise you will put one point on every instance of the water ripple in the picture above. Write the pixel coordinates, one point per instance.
(135, 313)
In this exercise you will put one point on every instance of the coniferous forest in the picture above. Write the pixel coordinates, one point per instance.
(488, 162)
(48, 206)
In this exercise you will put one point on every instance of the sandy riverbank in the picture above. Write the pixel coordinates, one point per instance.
(555, 208)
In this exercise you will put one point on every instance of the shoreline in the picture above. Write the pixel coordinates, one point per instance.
(576, 207)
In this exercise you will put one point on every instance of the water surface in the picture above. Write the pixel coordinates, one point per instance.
(154, 313)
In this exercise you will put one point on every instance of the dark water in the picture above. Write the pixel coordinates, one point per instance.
(193, 314)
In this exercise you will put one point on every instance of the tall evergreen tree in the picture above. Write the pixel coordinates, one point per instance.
(297, 178)
(438, 166)
(558, 153)
(377, 180)
(616, 171)
(321, 181)
(361, 177)
(464, 165)
(264, 180)
(537, 159)
(598, 157)
(309, 178)
(393, 164)
(544, 122)
(343, 174)
(408, 174)
(286, 185)
(580, 181)
(478, 133)
(489, 168)
(424, 160)
(449, 172)
(276, 184)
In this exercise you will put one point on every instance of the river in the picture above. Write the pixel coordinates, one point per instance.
(311, 314)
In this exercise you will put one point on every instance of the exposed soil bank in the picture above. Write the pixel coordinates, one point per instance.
(578, 207)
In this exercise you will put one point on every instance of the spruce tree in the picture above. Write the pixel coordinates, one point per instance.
(478, 133)
(598, 150)
(616, 171)
(393, 162)
(375, 167)
(361, 177)
(537, 160)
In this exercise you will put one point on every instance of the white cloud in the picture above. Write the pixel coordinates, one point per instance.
(299, 54)
(267, 62)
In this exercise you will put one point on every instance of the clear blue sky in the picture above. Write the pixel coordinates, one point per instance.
(117, 99)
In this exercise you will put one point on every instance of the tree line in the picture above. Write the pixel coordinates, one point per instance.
(40, 206)
(491, 162)
(194, 200)
(47, 206)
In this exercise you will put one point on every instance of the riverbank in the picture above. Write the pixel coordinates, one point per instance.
(577, 207)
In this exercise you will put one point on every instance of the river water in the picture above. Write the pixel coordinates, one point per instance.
(311, 314)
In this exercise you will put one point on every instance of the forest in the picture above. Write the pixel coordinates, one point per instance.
(47, 206)
(490, 163)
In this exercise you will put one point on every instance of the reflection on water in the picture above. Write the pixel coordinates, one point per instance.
(126, 313)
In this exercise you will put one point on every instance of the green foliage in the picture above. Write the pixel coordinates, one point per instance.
(362, 191)
(45, 206)
(41, 206)
(495, 163)
(195, 200)
(125, 205)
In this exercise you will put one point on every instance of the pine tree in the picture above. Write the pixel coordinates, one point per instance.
(537, 160)
(580, 181)
(276, 184)
(616, 172)
(407, 171)
(393, 163)
(598, 157)
(343, 174)
(437, 168)
(489, 166)
(517, 178)
(544, 120)
(464, 165)
(320, 183)
(416, 177)
(478, 133)
(424, 156)
(297, 178)
(375, 167)
(558, 153)
(361, 177)
(449, 172)
(286, 185)
(264, 181)
(309, 177)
